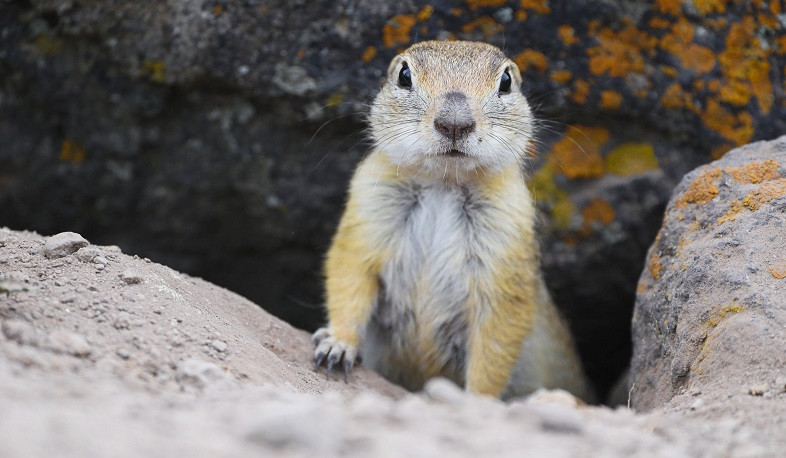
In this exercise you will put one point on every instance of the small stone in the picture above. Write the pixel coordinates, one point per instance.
(62, 341)
(63, 244)
(87, 254)
(122, 321)
(20, 332)
(559, 418)
(219, 345)
(757, 390)
(697, 403)
(100, 260)
(442, 390)
(123, 353)
(200, 374)
(131, 277)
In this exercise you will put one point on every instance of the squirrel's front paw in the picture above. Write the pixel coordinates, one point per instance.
(327, 347)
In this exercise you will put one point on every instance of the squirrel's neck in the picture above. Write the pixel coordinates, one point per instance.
(384, 169)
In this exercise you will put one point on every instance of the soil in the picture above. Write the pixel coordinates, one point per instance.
(107, 354)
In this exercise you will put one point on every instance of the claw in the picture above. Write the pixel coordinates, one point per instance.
(330, 363)
(320, 358)
(347, 368)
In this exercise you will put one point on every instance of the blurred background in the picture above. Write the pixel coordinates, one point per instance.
(218, 137)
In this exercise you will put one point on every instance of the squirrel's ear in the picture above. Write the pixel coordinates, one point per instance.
(393, 68)
(515, 74)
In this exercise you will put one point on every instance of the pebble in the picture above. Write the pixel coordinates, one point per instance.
(63, 244)
(131, 277)
(697, 403)
(123, 353)
(219, 345)
(20, 332)
(199, 374)
(87, 254)
(62, 341)
(757, 390)
(559, 418)
(444, 391)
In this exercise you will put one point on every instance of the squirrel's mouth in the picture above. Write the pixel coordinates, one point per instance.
(454, 153)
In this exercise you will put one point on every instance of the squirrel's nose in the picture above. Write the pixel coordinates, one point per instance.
(454, 117)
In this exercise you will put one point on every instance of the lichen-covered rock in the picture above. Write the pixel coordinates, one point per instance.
(710, 312)
(185, 130)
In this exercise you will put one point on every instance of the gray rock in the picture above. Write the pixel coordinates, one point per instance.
(63, 244)
(20, 332)
(219, 345)
(710, 311)
(88, 253)
(196, 373)
(63, 341)
(131, 277)
(445, 391)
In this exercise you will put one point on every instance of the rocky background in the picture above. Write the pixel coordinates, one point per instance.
(218, 136)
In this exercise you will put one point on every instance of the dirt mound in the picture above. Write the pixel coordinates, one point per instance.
(106, 354)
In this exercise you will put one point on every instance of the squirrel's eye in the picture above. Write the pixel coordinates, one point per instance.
(504, 83)
(405, 76)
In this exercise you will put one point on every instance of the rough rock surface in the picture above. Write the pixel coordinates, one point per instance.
(710, 317)
(91, 365)
(192, 131)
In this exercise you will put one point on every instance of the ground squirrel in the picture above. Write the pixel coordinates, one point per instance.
(434, 269)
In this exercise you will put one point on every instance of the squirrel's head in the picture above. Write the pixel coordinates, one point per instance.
(450, 107)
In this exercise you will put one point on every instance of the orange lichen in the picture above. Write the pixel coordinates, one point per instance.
(218, 9)
(737, 129)
(710, 6)
(456, 12)
(744, 61)
(675, 97)
(734, 211)
(766, 192)
(300, 53)
(610, 100)
(545, 190)
(561, 76)
(702, 190)
(716, 318)
(475, 4)
(672, 7)
(655, 266)
(755, 172)
(538, 6)
(487, 25)
(679, 42)
(671, 72)
(567, 35)
(73, 152)
(780, 42)
(397, 29)
(658, 23)
(581, 90)
(369, 53)
(599, 211)
(631, 159)
(425, 13)
(720, 150)
(578, 152)
(529, 58)
(778, 271)
(620, 53)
